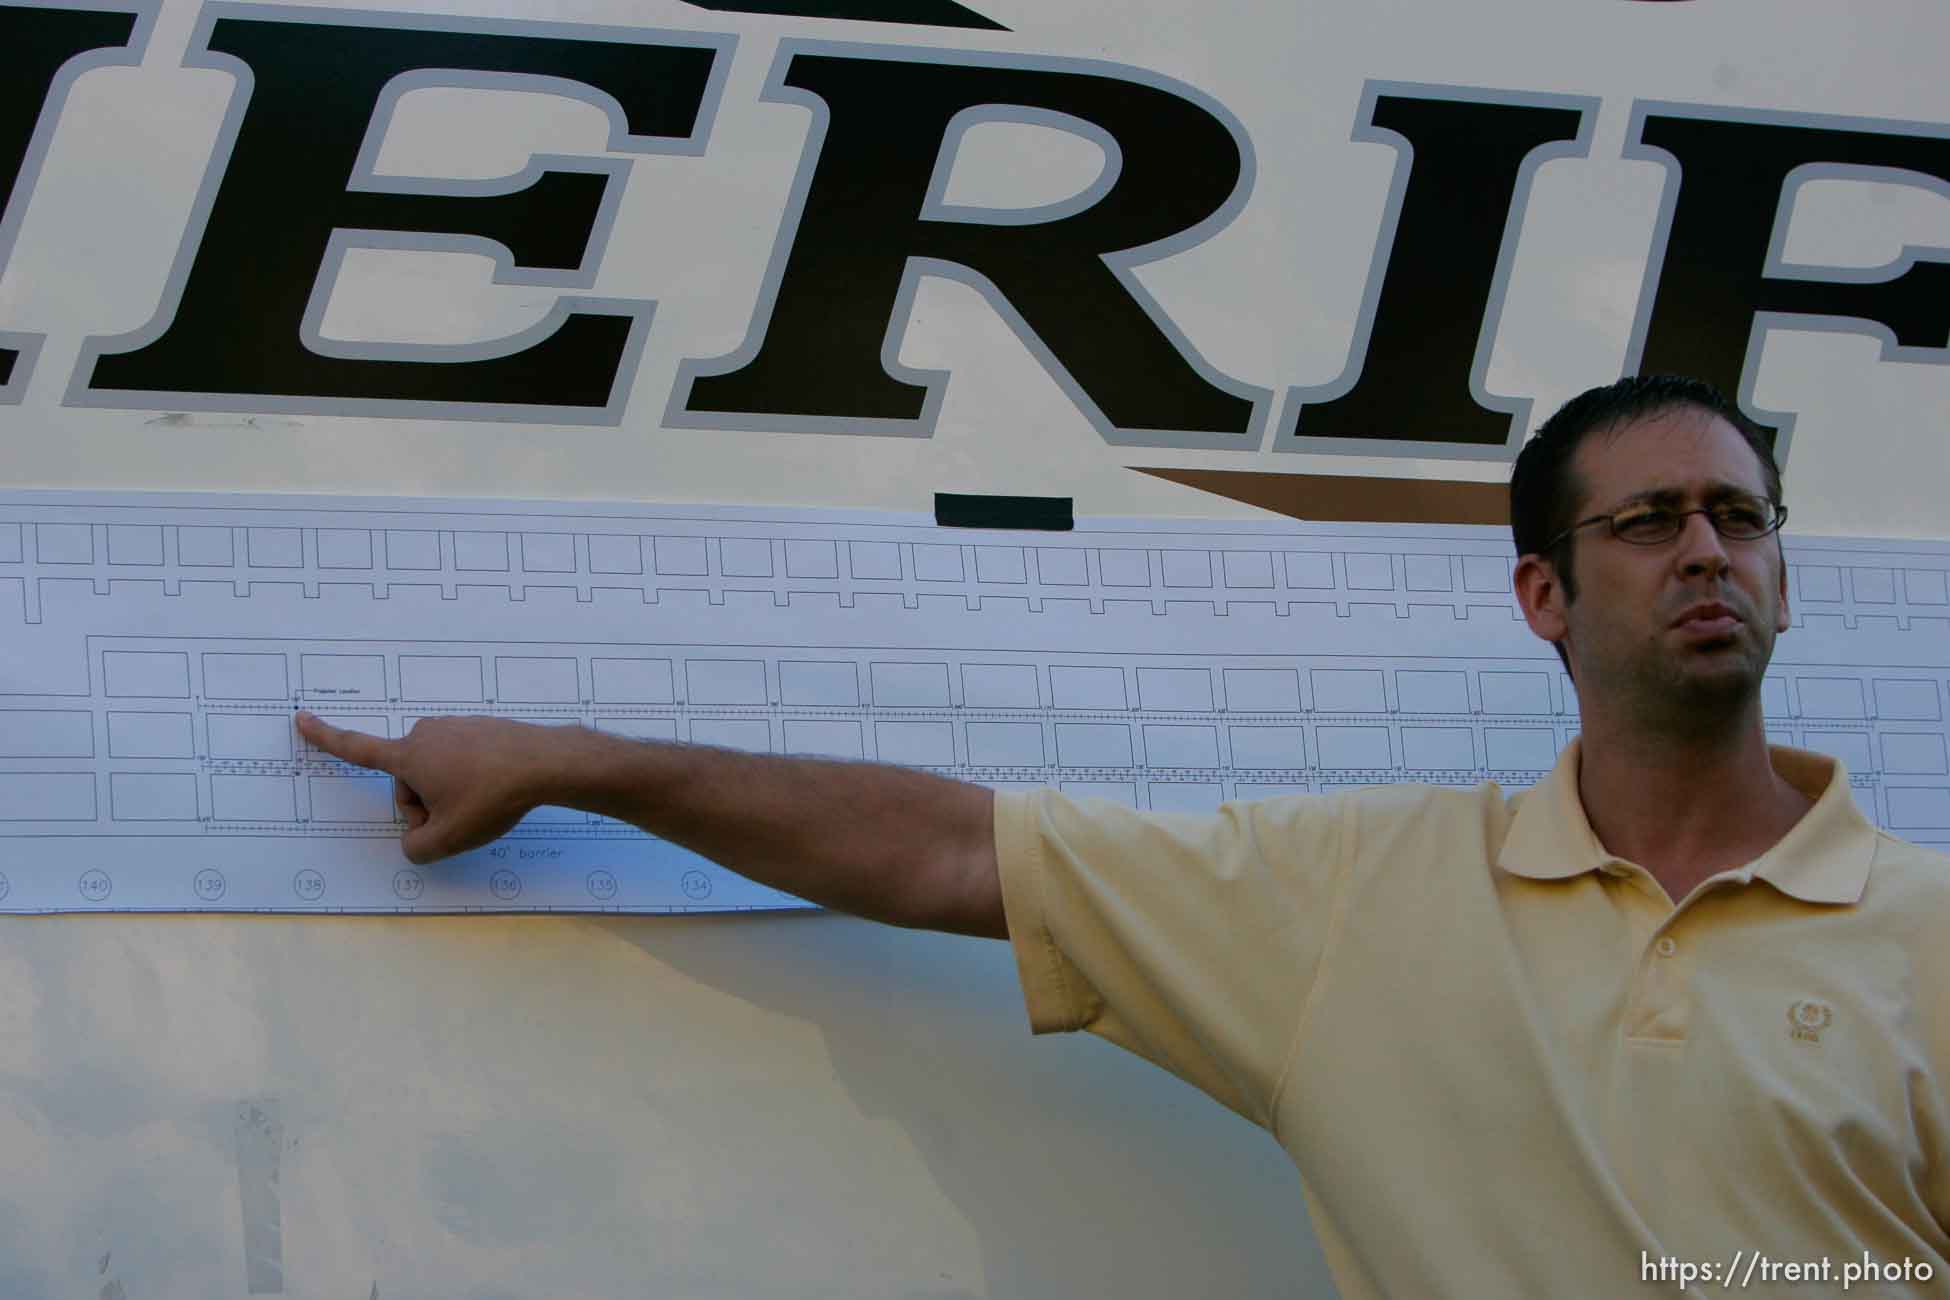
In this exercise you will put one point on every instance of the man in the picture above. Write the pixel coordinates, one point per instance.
(1678, 1008)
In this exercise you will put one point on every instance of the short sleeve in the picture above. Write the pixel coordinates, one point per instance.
(1930, 1105)
(1191, 940)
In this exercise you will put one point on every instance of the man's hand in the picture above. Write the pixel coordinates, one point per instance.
(460, 782)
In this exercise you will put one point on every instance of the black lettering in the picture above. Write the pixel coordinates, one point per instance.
(236, 330)
(1440, 290)
(1714, 280)
(38, 42)
(863, 220)
(933, 13)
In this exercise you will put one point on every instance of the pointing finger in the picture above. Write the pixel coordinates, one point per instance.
(424, 843)
(411, 807)
(352, 746)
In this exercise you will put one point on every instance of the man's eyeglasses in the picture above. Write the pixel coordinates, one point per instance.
(1739, 519)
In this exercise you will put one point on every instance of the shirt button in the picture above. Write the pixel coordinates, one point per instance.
(1665, 947)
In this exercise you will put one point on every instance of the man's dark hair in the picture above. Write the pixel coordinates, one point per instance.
(1544, 491)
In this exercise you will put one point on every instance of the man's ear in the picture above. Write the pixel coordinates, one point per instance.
(1783, 616)
(1541, 594)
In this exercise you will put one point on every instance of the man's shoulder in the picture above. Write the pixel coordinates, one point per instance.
(1403, 811)
(1918, 873)
(1405, 799)
(1411, 797)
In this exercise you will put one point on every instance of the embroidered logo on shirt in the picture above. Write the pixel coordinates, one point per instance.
(1807, 1018)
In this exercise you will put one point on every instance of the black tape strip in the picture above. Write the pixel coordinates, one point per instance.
(929, 13)
(966, 510)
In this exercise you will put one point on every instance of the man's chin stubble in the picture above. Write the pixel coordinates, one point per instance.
(1705, 703)
(1698, 693)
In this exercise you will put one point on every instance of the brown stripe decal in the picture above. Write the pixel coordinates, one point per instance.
(1352, 498)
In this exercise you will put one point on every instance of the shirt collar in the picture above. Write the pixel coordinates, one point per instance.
(1825, 858)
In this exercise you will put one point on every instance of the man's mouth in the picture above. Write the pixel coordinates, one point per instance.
(1709, 619)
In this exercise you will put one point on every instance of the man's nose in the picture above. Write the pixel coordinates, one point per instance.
(1701, 548)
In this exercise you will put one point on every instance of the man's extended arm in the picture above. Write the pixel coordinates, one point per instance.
(882, 842)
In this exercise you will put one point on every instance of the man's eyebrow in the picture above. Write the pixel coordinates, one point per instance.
(1719, 490)
(1652, 497)
(1723, 491)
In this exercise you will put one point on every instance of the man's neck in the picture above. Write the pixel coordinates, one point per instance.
(1685, 808)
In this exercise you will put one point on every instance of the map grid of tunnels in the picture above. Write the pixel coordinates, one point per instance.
(153, 647)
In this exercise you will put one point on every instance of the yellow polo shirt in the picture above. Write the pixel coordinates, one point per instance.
(1505, 1063)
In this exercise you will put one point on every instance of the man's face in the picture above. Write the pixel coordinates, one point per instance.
(1679, 631)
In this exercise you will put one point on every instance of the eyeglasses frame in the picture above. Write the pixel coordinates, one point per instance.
(1611, 519)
